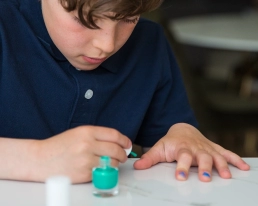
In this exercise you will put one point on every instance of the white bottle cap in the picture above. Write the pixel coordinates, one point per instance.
(58, 191)
(128, 151)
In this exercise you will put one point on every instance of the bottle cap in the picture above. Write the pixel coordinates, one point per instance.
(128, 151)
(58, 191)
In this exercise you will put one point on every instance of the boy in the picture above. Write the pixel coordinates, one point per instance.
(86, 78)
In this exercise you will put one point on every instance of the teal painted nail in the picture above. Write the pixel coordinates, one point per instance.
(206, 174)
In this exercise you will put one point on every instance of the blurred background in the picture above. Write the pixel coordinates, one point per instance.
(216, 45)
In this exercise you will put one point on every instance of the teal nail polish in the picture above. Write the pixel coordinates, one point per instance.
(206, 174)
(133, 154)
(105, 178)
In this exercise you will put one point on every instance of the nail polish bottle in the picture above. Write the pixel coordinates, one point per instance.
(105, 178)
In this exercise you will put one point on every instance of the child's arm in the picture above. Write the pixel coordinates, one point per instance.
(73, 153)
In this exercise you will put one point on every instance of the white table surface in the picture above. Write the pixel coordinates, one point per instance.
(237, 31)
(151, 187)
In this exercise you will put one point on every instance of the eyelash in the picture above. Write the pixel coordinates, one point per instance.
(129, 21)
(78, 20)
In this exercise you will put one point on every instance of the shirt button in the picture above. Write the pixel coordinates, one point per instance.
(88, 94)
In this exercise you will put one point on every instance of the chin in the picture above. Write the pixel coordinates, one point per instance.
(82, 67)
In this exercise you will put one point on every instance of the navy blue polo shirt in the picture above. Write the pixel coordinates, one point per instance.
(138, 91)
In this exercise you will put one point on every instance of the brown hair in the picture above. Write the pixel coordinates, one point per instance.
(88, 10)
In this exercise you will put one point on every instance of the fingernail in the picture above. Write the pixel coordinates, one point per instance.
(226, 174)
(181, 175)
(206, 174)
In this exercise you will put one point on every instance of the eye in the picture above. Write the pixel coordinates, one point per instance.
(131, 21)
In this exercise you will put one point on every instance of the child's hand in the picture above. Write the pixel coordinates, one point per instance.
(75, 152)
(186, 145)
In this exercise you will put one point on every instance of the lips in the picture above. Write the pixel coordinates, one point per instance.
(94, 60)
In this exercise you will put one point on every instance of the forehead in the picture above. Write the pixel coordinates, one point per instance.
(112, 8)
(106, 13)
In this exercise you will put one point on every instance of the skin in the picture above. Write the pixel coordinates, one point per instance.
(81, 147)
(186, 145)
(76, 41)
(72, 153)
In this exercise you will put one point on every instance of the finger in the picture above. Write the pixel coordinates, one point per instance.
(184, 161)
(204, 161)
(85, 168)
(221, 165)
(110, 149)
(108, 135)
(114, 163)
(112, 135)
(235, 160)
(149, 159)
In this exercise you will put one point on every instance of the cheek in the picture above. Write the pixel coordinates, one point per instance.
(68, 36)
(124, 34)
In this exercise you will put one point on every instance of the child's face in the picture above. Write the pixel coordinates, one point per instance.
(84, 48)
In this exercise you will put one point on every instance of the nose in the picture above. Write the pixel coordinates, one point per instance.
(105, 38)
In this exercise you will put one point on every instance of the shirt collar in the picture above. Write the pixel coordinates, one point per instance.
(113, 63)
